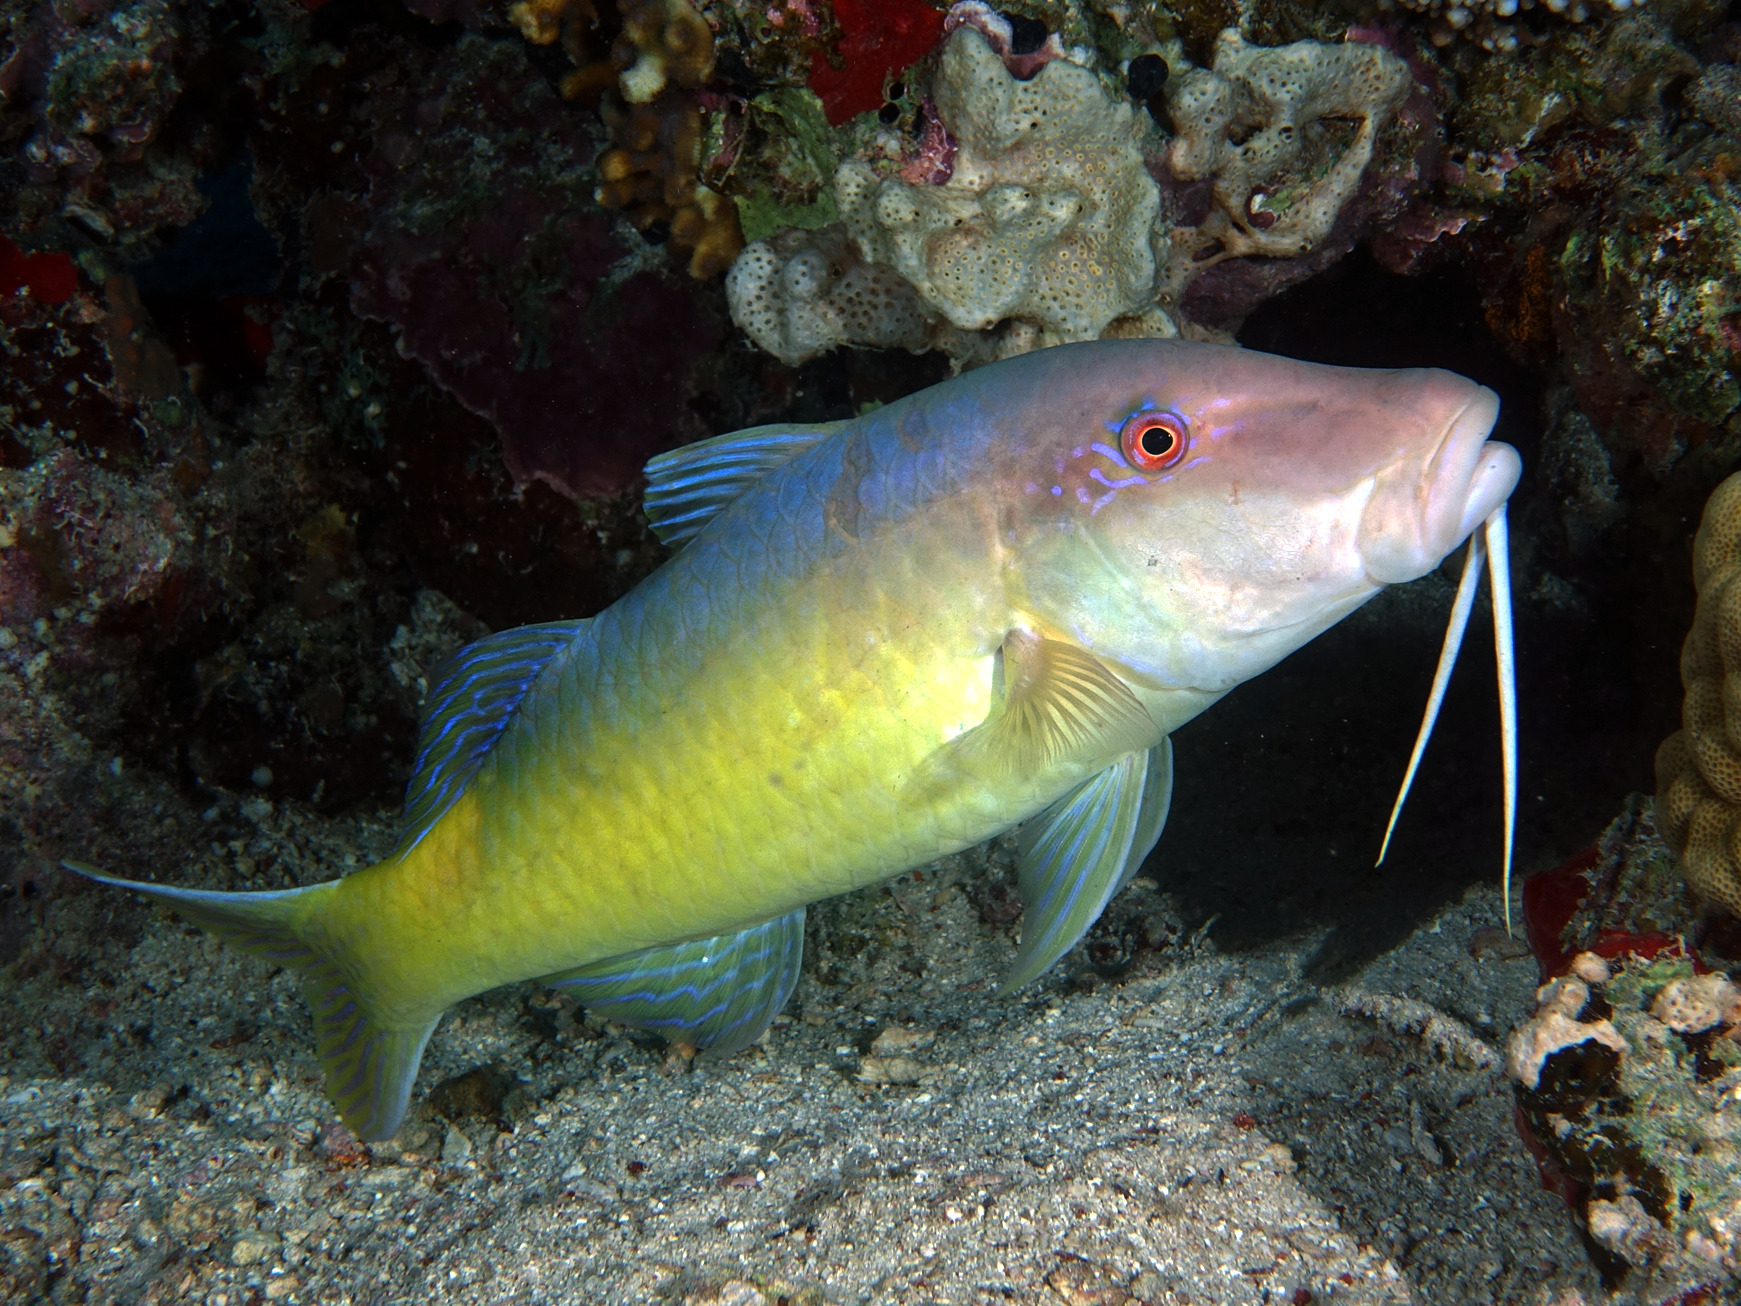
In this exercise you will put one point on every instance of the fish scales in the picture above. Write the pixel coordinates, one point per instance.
(828, 703)
(881, 641)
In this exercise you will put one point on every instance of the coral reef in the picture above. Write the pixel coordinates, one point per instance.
(1698, 768)
(87, 93)
(1600, 179)
(651, 175)
(510, 287)
(1280, 190)
(1020, 199)
(878, 38)
(1624, 896)
(802, 293)
(642, 62)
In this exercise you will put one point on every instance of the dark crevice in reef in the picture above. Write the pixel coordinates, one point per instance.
(1283, 789)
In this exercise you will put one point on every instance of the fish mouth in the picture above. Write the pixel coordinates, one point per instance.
(1471, 475)
(1415, 519)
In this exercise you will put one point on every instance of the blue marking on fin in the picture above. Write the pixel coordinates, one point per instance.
(718, 993)
(688, 487)
(476, 694)
(1083, 849)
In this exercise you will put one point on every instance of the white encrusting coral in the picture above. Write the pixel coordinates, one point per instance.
(1048, 212)
(800, 293)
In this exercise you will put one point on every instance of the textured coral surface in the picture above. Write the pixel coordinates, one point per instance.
(1698, 768)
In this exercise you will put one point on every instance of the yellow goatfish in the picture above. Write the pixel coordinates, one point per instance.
(882, 640)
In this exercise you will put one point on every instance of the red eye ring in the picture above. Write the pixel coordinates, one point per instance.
(1154, 441)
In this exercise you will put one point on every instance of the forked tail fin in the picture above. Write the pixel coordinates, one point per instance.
(369, 1064)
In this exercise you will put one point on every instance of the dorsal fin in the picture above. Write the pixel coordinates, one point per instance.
(687, 487)
(476, 694)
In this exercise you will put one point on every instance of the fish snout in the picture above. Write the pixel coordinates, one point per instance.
(1423, 508)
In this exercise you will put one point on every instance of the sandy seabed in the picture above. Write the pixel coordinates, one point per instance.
(1180, 1125)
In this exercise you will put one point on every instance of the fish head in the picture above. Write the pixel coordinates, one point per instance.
(1193, 513)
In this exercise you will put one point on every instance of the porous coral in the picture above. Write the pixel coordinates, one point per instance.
(1698, 768)
(1046, 215)
(1269, 128)
(801, 293)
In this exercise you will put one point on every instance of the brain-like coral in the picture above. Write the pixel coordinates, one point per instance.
(1698, 768)
(1284, 134)
(801, 293)
(1046, 215)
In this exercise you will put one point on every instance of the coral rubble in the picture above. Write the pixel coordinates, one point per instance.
(1620, 1078)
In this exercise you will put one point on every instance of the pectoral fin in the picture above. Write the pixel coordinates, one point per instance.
(718, 993)
(1057, 702)
(1082, 850)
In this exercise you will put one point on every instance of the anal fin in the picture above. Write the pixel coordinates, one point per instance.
(1083, 849)
(717, 993)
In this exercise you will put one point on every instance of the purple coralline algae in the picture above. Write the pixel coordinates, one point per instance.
(507, 283)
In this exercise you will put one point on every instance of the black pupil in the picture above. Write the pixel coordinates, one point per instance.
(1156, 442)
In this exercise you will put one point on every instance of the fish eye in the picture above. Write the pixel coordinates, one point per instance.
(1154, 441)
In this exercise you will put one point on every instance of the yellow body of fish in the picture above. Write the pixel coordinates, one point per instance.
(880, 641)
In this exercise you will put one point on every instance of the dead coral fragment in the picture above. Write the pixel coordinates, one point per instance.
(1269, 127)
(1444, 1034)
(1698, 768)
(1554, 1028)
(1628, 1114)
(1698, 1004)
